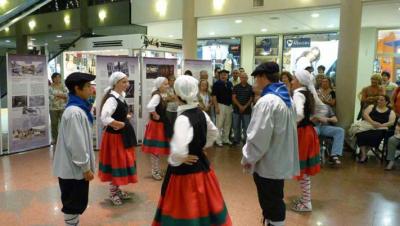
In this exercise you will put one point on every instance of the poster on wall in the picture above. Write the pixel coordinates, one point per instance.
(28, 102)
(311, 50)
(195, 66)
(153, 68)
(105, 66)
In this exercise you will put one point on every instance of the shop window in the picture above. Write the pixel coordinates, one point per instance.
(388, 53)
(266, 49)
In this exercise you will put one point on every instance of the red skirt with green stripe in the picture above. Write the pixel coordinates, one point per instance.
(308, 151)
(116, 163)
(155, 140)
(192, 200)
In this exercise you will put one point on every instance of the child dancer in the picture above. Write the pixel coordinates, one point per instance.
(306, 100)
(74, 161)
(158, 129)
(117, 153)
(190, 194)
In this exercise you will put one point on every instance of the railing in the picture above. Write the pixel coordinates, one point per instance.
(59, 5)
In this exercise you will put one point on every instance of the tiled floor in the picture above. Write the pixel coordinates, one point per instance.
(351, 195)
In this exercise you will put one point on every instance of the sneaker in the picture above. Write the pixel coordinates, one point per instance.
(302, 207)
(228, 142)
(334, 160)
(389, 166)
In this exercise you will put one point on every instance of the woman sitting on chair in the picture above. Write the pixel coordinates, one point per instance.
(381, 117)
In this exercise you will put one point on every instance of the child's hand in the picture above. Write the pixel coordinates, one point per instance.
(88, 175)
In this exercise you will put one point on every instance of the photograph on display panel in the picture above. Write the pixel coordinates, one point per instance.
(19, 101)
(130, 92)
(121, 66)
(156, 70)
(23, 69)
(35, 101)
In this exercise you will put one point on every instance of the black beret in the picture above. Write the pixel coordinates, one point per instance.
(267, 68)
(77, 78)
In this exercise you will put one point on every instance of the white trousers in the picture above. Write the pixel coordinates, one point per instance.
(224, 123)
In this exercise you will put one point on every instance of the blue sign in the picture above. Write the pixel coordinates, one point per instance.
(298, 43)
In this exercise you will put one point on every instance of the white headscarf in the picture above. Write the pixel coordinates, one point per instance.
(157, 83)
(187, 88)
(113, 79)
(306, 79)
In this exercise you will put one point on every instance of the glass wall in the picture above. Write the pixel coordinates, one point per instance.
(301, 51)
(266, 49)
(388, 53)
(223, 52)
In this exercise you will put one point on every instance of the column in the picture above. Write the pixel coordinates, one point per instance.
(84, 20)
(346, 74)
(21, 39)
(247, 53)
(189, 30)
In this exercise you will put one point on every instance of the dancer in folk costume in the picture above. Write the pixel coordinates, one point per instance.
(190, 194)
(74, 159)
(306, 102)
(158, 129)
(271, 149)
(117, 153)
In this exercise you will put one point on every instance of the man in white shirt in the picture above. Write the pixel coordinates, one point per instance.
(271, 150)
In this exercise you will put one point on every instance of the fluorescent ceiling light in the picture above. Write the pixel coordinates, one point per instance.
(170, 36)
(264, 30)
(238, 21)
(218, 4)
(315, 15)
(33, 39)
(59, 36)
(8, 41)
(212, 33)
(161, 7)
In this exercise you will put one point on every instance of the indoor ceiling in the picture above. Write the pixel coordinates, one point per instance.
(380, 14)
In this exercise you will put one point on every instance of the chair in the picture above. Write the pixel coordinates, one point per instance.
(381, 150)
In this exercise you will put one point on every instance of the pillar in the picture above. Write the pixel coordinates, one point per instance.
(347, 66)
(189, 30)
(21, 39)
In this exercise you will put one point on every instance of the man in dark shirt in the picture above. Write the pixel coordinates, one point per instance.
(222, 99)
(242, 97)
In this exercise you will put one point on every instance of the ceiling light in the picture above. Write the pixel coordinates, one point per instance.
(32, 24)
(161, 7)
(59, 36)
(67, 20)
(30, 47)
(212, 33)
(238, 21)
(33, 39)
(264, 30)
(3, 3)
(233, 38)
(102, 15)
(46, 44)
(331, 26)
(315, 15)
(8, 41)
(6, 29)
(218, 4)
(170, 36)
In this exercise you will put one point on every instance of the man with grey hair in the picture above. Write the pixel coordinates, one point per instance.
(235, 77)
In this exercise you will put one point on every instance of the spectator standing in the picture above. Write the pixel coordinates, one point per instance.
(242, 97)
(58, 98)
(222, 100)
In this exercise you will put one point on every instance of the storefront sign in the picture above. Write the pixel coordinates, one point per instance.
(298, 43)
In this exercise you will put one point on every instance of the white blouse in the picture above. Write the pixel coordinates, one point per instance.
(299, 100)
(154, 102)
(109, 107)
(183, 135)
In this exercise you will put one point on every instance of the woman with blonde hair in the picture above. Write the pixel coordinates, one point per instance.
(204, 96)
(370, 94)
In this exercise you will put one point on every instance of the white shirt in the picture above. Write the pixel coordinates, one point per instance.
(299, 100)
(109, 107)
(154, 102)
(271, 147)
(183, 135)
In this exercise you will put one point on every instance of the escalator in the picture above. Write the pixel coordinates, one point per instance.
(19, 11)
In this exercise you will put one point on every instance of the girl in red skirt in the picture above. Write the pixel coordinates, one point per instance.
(190, 194)
(117, 153)
(306, 99)
(158, 129)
